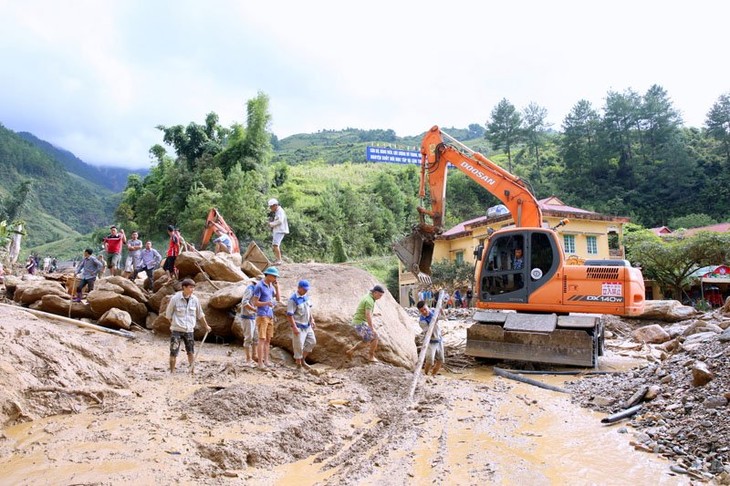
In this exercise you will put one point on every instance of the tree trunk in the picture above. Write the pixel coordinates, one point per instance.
(14, 248)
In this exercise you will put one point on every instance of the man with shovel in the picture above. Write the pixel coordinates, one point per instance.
(184, 312)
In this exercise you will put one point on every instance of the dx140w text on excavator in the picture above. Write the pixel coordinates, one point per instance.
(521, 269)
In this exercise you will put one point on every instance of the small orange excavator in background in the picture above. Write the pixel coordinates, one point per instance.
(522, 269)
(215, 221)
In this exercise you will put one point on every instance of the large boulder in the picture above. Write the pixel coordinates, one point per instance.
(228, 297)
(335, 293)
(189, 263)
(222, 267)
(219, 321)
(203, 285)
(28, 292)
(251, 270)
(161, 279)
(101, 301)
(130, 288)
(117, 319)
(11, 283)
(653, 334)
(667, 311)
(59, 305)
(155, 301)
(106, 286)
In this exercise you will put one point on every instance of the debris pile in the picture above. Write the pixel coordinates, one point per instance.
(684, 393)
(221, 279)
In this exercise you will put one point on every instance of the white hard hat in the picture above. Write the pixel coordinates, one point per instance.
(273, 201)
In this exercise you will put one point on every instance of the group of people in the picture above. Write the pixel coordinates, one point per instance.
(255, 315)
(34, 264)
(461, 298)
(140, 258)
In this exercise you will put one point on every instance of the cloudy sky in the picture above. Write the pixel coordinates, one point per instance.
(96, 77)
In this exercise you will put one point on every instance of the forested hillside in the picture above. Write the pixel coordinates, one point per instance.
(53, 203)
(632, 157)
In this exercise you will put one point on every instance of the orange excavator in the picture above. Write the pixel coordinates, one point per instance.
(215, 222)
(555, 307)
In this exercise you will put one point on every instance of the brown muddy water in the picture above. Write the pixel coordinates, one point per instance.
(472, 428)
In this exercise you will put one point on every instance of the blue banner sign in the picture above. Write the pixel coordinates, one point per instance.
(391, 155)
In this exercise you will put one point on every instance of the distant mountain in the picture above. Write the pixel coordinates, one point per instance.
(113, 178)
(60, 203)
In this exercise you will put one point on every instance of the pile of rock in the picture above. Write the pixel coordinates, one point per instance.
(221, 280)
(685, 394)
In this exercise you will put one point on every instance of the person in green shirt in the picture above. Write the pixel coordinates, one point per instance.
(363, 323)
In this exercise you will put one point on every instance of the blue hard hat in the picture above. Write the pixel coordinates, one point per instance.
(303, 284)
(272, 271)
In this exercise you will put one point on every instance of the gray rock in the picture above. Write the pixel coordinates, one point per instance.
(715, 402)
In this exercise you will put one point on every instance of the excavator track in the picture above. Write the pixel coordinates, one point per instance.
(575, 340)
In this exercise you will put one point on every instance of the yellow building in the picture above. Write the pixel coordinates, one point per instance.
(587, 236)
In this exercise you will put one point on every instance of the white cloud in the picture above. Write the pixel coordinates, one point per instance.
(96, 77)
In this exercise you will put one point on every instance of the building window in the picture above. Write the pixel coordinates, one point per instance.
(459, 257)
(592, 245)
(569, 243)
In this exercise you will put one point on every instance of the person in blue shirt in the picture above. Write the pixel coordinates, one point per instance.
(435, 352)
(87, 269)
(263, 301)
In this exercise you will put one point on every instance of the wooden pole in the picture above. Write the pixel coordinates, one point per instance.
(48, 315)
(424, 347)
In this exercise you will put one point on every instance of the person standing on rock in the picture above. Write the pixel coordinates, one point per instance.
(134, 249)
(87, 271)
(263, 301)
(184, 312)
(149, 259)
(173, 250)
(113, 246)
(363, 323)
(299, 314)
(279, 226)
(247, 317)
(435, 351)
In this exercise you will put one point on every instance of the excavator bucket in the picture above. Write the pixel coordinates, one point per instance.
(416, 252)
(575, 340)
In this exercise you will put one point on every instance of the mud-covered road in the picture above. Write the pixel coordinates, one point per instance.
(82, 407)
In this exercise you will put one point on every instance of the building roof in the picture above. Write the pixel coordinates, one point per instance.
(714, 228)
(551, 206)
(661, 230)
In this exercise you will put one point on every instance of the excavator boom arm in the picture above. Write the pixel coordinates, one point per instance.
(213, 221)
(437, 154)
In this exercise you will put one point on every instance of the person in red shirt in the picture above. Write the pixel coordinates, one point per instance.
(173, 250)
(113, 245)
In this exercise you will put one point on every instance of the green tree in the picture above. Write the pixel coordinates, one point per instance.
(670, 261)
(581, 151)
(339, 255)
(534, 128)
(503, 130)
(451, 274)
(718, 124)
(694, 220)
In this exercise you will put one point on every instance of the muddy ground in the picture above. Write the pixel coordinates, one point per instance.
(84, 407)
